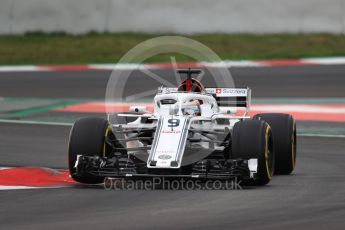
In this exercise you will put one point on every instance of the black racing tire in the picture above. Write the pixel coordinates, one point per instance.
(284, 136)
(87, 137)
(253, 139)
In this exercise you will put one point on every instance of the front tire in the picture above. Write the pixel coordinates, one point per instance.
(253, 139)
(87, 138)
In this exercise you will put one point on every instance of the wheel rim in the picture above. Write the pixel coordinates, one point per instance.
(293, 146)
(104, 150)
(269, 156)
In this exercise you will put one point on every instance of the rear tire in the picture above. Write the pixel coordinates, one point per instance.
(284, 136)
(87, 138)
(253, 139)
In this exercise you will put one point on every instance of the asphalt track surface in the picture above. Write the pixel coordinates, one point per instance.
(298, 81)
(311, 198)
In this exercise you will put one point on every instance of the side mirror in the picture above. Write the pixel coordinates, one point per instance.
(227, 110)
(138, 109)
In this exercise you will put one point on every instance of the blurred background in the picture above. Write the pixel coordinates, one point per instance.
(179, 16)
(101, 31)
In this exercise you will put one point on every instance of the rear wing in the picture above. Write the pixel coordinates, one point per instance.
(228, 99)
(231, 97)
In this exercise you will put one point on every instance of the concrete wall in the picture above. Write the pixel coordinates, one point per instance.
(178, 16)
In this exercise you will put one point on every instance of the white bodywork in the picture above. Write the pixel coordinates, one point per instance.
(175, 113)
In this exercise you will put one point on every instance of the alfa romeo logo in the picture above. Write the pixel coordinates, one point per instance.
(164, 157)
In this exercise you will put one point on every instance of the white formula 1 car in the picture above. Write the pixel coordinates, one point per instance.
(193, 132)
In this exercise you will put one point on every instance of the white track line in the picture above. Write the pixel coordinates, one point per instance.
(133, 66)
(329, 109)
(320, 135)
(19, 68)
(3, 187)
(324, 61)
(228, 64)
(26, 122)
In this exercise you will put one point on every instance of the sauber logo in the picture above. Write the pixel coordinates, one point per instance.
(218, 91)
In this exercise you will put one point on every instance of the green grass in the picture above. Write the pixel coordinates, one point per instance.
(37, 48)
